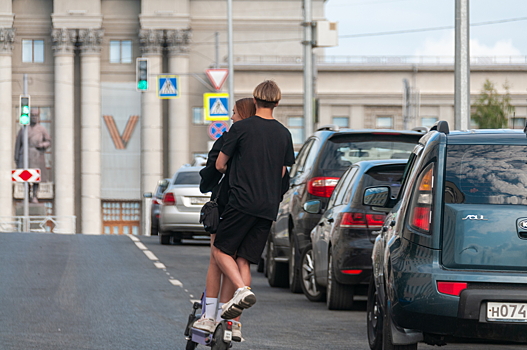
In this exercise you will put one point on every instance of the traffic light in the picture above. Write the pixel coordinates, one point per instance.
(24, 118)
(141, 74)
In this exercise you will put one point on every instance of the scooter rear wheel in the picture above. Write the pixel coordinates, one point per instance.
(217, 339)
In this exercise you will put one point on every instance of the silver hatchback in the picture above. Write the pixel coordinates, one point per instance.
(181, 206)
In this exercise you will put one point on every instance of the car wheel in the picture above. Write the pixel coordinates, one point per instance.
(164, 239)
(260, 266)
(387, 333)
(276, 272)
(294, 275)
(374, 318)
(309, 285)
(339, 296)
(176, 240)
(153, 230)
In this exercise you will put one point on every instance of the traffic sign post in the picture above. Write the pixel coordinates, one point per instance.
(216, 129)
(167, 86)
(216, 106)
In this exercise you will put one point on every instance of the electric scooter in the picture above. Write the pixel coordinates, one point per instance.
(220, 339)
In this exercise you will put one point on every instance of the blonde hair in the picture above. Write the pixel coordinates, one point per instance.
(267, 94)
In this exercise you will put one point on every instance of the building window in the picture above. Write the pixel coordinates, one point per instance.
(342, 122)
(33, 51)
(384, 122)
(518, 123)
(197, 116)
(428, 121)
(120, 51)
(121, 217)
(296, 127)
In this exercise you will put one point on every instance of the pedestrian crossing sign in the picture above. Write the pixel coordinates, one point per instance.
(216, 106)
(167, 86)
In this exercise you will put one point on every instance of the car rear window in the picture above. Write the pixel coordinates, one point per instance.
(340, 152)
(187, 178)
(486, 174)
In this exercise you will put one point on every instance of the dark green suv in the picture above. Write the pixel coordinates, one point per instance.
(450, 262)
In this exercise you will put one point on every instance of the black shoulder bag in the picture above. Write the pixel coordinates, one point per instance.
(210, 214)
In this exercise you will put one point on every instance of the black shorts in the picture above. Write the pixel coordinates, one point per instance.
(242, 235)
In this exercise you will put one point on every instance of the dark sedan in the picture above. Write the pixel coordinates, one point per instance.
(339, 259)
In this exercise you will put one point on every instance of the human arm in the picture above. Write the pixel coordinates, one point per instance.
(221, 162)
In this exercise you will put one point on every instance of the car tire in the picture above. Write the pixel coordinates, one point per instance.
(295, 283)
(176, 239)
(153, 230)
(387, 333)
(164, 239)
(310, 287)
(260, 266)
(276, 272)
(374, 318)
(339, 296)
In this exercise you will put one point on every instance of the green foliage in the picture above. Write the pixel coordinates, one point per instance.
(491, 109)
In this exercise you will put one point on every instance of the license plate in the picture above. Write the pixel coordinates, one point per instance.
(507, 312)
(227, 336)
(198, 200)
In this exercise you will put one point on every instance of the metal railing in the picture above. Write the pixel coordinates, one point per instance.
(51, 224)
(380, 60)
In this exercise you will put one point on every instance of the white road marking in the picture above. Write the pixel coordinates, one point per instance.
(133, 238)
(159, 265)
(150, 255)
(141, 246)
(176, 282)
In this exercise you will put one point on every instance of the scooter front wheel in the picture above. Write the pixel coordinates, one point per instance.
(218, 339)
(191, 345)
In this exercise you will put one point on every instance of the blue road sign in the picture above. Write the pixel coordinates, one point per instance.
(216, 129)
(167, 86)
(216, 106)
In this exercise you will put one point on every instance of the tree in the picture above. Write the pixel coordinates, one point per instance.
(491, 109)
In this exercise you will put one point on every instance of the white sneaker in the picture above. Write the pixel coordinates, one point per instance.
(205, 324)
(237, 331)
(243, 299)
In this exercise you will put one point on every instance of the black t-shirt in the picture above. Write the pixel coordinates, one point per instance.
(259, 148)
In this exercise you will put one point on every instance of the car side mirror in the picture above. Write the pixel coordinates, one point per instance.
(147, 195)
(377, 196)
(312, 207)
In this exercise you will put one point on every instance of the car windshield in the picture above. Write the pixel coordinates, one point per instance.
(340, 153)
(486, 174)
(187, 178)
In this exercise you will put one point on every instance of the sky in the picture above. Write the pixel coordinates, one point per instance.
(359, 17)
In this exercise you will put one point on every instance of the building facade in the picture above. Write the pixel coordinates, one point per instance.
(111, 143)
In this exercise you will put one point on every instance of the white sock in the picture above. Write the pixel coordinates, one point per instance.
(218, 314)
(210, 308)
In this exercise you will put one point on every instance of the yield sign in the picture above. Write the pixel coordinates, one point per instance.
(25, 175)
(217, 76)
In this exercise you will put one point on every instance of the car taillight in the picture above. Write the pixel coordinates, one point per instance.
(421, 210)
(322, 186)
(375, 220)
(451, 288)
(169, 199)
(361, 220)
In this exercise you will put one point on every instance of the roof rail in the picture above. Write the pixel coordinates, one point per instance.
(422, 129)
(330, 127)
(441, 126)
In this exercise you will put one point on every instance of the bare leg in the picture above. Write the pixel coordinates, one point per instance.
(213, 281)
(245, 270)
(228, 266)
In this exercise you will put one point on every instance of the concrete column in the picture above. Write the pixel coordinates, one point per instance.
(151, 112)
(7, 37)
(91, 220)
(63, 141)
(179, 108)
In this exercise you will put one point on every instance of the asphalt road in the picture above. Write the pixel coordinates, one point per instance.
(110, 292)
